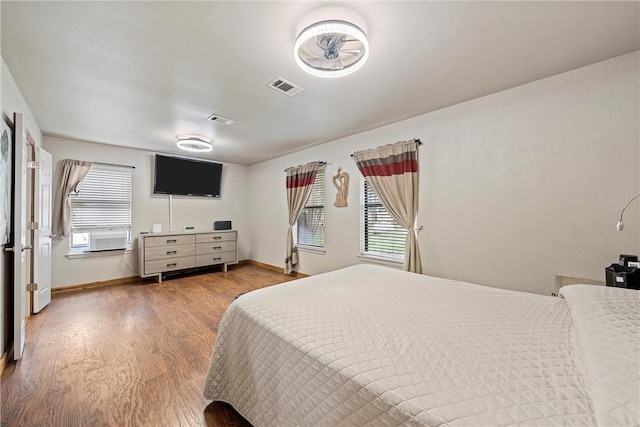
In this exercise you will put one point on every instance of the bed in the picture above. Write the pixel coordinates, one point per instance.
(370, 345)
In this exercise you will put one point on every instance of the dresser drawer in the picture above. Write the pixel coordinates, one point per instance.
(171, 251)
(162, 265)
(215, 237)
(213, 259)
(212, 248)
(153, 241)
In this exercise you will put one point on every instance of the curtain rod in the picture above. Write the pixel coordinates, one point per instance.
(113, 164)
(415, 139)
(322, 163)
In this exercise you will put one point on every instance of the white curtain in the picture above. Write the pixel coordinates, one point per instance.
(299, 184)
(392, 173)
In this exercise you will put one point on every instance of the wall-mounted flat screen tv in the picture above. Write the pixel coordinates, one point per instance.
(187, 177)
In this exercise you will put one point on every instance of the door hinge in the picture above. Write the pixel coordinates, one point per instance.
(32, 226)
(32, 164)
(32, 287)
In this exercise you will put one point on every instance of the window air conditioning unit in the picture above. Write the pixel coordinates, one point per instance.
(108, 240)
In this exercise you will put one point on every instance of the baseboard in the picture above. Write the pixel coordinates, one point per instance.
(273, 268)
(3, 361)
(6, 356)
(120, 281)
(134, 279)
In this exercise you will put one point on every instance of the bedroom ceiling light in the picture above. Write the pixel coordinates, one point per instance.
(195, 144)
(620, 224)
(331, 49)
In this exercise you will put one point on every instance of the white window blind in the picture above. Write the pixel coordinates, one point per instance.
(310, 228)
(102, 199)
(380, 234)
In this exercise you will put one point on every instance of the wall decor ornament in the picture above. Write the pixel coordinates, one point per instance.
(5, 184)
(341, 182)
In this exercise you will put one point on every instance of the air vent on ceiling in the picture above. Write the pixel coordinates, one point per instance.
(219, 119)
(283, 86)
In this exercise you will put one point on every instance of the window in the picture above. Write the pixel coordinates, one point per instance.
(310, 225)
(380, 234)
(101, 202)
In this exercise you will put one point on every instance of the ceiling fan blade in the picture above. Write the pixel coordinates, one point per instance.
(313, 49)
(336, 42)
(319, 62)
(322, 42)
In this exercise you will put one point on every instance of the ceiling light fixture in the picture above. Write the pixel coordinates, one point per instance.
(195, 144)
(331, 49)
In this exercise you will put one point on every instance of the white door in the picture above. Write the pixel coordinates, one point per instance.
(42, 236)
(19, 237)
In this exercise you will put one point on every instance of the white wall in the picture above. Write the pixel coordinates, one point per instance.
(515, 187)
(12, 102)
(147, 209)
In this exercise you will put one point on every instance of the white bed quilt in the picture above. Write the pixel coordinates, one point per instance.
(369, 345)
(607, 326)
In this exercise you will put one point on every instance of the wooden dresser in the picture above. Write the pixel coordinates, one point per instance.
(163, 252)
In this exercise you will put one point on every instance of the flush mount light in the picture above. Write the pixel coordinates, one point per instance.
(331, 49)
(196, 144)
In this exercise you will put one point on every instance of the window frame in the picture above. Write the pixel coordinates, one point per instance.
(84, 232)
(400, 233)
(318, 186)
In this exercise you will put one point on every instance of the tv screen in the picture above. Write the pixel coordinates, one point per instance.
(177, 175)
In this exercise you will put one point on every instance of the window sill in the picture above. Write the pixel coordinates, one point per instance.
(82, 254)
(311, 249)
(389, 262)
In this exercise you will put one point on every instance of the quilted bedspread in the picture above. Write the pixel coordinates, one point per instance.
(607, 326)
(369, 345)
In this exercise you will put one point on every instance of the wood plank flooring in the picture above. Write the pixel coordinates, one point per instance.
(126, 355)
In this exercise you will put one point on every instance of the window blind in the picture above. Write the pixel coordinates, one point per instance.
(380, 234)
(310, 226)
(102, 199)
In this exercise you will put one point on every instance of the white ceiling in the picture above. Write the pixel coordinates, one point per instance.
(137, 74)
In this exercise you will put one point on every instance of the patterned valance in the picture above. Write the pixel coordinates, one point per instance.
(370, 163)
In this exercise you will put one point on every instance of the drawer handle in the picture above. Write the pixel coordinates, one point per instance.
(171, 252)
(173, 264)
(217, 237)
(172, 241)
(217, 259)
(217, 247)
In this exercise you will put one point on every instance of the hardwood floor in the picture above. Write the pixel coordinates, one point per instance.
(126, 355)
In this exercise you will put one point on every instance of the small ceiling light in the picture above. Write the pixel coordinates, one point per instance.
(195, 144)
(331, 49)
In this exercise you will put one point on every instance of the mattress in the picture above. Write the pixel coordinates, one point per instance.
(369, 345)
